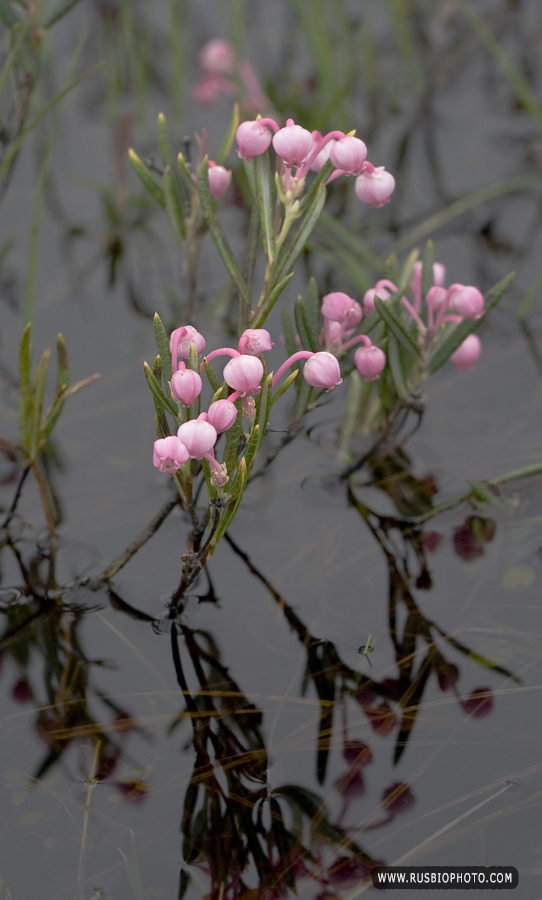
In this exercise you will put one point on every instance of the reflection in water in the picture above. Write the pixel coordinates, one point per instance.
(235, 827)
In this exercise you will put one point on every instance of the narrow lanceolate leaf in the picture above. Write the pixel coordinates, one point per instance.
(25, 358)
(217, 233)
(395, 367)
(428, 279)
(158, 392)
(237, 489)
(233, 436)
(162, 342)
(51, 417)
(302, 317)
(288, 330)
(63, 373)
(452, 341)
(269, 302)
(264, 202)
(174, 202)
(284, 387)
(406, 272)
(293, 252)
(229, 137)
(193, 359)
(312, 306)
(38, 391)
(146, 178)
(396, 327)
(164, 145)
(263, 413)
(251, 447)
(213, 380)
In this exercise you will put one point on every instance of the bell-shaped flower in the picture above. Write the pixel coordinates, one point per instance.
(349, 155)
(339, 307)
(467, 353)
(322, 157)
(222, 414)
(253, 139)
(376, 187)
(219, 180)
(293, 143)
(466, 300)
(186, 384)
(322, 370)
(370, 361)
(198, 436)
(255, 341)
(382, 289)
(169, 454)
(179, 343)
(244, 373)
(217, 57)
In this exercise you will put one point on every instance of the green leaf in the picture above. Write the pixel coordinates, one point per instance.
(428, 278)
(162, 342)
(147, 179)
(231, 447)
(312, 307)
(529, 298)
(395, 327)
(291, 254)
(229, 137)
(264, 407)
(213, 380)
(284, 387)
(302, 401)
(453, 339)
(61, 10)
(265, 203)
(396, 369)
(63, 373)
(262, 313)
(238, 489)
(217, 233)
(193, 359)
(174, 202)
(38, 391)
(302, 324)
(288, 330)
(164, 145)
(51, 417)
(406, 272)
(186, 173)
(251, 447)
(158, 392)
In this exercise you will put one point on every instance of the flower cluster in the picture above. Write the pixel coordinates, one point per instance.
(304, 151)
(219, 65)
(440, 306)
(342, 315)
(243, 375)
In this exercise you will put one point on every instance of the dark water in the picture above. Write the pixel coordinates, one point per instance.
(478, 584)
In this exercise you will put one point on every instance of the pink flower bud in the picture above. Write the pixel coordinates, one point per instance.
(255, 341)
(467, 353)
(321, 158)
(169, 454)
(341, 308)
(219, 180)
(186, 385)
(217, 57)
(244, 373)
(222, 414)
(293, 143)
(436, 298)
(253, 139)
(369, 362)
(382, 289)
(375, 188)
(466, 300)
(198, 436)
(349, 155)
(439, 275)
(322, 371)
(179, 343)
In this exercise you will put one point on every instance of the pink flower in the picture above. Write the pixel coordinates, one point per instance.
(186, 385)
(255, 341)
(219, 180)
(349, 155)
(339, 307)
(217, 57)
(322, 371)
(179, 343)
(369, 361)
(375, 187)
(198, 436)
(322, 157)
(222, 414)
(293, 143)
(169, 454)
(382, 289)
(253, 139)
(467, 353)
(466, 300)
(243, 373)
(436, 298)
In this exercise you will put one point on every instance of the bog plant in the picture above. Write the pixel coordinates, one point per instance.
(386, 348)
